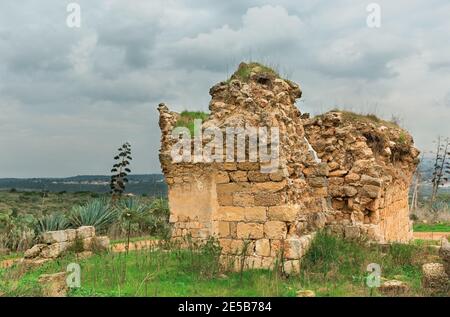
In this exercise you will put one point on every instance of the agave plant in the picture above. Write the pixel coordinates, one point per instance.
(53, 222)
(97, 213)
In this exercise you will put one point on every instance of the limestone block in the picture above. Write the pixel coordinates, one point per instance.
(317, 182)
(258, 177)
(229, 166)
(86, 232)
(292, 267)
(338, 173)
(222, 178)
(238, 176)
(224, 229)
(444, 252)
(269, 186)
(255, 214)
(350, 191)
(283, 213)
(275, 230)
(278, 176)
(243, 199)
(54, 250)
(268, 199)
(369, 180)
(248, 166)
(293, 248)
(352, 178)
(434, 277)
(225, 199)
(394, 288)
(71, 234)
(250, 230)
(262, 247)
(370, 191)
(54, 236)
(54, 285)
(230, 213)
(34, 251)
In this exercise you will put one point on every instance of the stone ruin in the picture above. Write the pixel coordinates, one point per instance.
(56, 243)
(342, 172)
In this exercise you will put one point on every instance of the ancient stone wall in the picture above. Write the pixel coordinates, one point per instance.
(327, 176)
(371, 163)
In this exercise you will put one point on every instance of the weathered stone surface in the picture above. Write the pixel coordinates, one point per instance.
(444, 252)
(222, 178)
(54, 250)
(434, 277)
(293, 248)
(394, 288)
(85, 232)
(243, 199)
(238, 176)
(283, 213)
(54, 285)
(34, 252)
(275, 230)
(250, 230)
(263, 247)
(54, 236)
(255, 214)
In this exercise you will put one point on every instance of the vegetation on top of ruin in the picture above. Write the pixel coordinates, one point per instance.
(186, 119)
(368, 118)
(245, 71)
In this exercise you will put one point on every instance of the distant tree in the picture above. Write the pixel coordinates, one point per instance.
(120, 170)
(441, 168)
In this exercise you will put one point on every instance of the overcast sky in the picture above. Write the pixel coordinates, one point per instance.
(70, 96)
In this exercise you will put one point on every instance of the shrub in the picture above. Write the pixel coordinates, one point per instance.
(53, 222)
(97, 213)
(187, 118)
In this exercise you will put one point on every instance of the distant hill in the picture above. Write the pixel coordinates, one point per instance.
(151, 184)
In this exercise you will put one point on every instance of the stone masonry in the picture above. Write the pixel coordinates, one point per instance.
(55, 243)
(348, 176)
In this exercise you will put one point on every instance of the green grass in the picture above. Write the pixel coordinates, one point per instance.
(246, 69)
(332, 267)
(439, 227)
(187, 118)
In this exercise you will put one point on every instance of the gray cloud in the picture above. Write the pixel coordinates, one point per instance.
(68, 97)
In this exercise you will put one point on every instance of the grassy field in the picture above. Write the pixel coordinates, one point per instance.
(332, 267)
(439, 227)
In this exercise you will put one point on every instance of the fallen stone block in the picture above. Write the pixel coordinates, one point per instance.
(54, 250)
(394, 288)
(434, 277)
(34, 252)
(54, 285)
(85, 232)
(50, 237)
